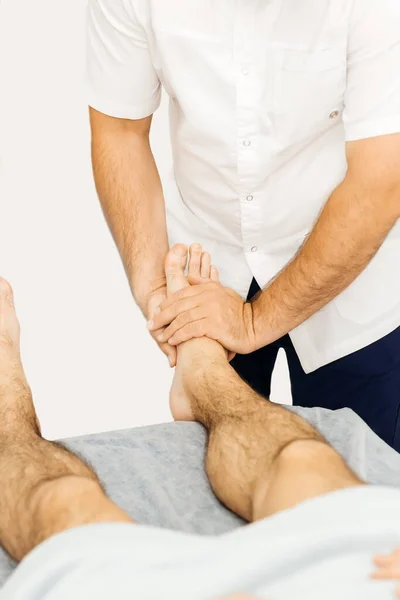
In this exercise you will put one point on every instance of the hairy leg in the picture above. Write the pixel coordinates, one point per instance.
(199, 270)
(261, 458)
(44, 489)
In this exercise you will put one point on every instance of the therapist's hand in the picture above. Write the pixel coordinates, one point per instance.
(153, 304)
(388, 567)
(208, 309)
(238, 597)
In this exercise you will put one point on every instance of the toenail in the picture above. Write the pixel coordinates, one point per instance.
(180, 251)
(196, 247)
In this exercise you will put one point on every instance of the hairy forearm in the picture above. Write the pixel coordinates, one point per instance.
(131, 197)
(350, 230)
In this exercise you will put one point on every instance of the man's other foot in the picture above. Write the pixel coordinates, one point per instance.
(16, 406)
(9, 333)
(200, 270)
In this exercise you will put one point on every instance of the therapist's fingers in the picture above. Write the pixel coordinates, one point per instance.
(383, 559)
(388, 565)
(169, 351)
(239, 597)
(387, 573)
(154, 309)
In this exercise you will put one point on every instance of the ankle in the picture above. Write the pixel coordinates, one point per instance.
(19, 431)
(18, 415)
(203, 352)
(202, 364)
(198, 360)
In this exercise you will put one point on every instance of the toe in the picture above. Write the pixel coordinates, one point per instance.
(175, 264)
(214, 275)
(205, 265)
(176, 258)
(195, 261)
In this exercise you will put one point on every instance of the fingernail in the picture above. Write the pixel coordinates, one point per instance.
(158, 310)
(150, 324)
(160, 338)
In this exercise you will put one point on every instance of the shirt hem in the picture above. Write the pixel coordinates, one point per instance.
(123, 112)
(354, 344)
(376, 128)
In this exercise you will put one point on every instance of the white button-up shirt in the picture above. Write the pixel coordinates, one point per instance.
(263, 97)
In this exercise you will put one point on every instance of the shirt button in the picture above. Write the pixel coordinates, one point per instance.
(249, 198)
(334, 114)
(254, 249)
(245, 71)
(247, 143)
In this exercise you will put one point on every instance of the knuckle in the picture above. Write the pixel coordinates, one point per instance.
(164, 304)
(166, 334)
(169, 315)
(183, 318)
(177, 323)
(217, 308)
(192, 314)
(154, 335)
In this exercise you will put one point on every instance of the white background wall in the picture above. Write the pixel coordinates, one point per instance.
(89, 359)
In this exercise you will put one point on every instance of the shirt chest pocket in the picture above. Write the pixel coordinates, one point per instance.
(307, 92)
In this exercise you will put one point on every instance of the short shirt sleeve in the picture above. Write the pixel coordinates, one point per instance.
(372, 101)
(120, 78)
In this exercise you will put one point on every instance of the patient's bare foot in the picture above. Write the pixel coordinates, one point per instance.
(200, 270)
(16, 406)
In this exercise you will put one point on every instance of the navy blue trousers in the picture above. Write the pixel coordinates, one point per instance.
(367, 381)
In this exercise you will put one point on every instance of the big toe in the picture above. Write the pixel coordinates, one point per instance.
(175, 264)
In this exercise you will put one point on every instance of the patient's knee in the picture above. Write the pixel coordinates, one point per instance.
(303, 469)
(309, 457)
(306, 453)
